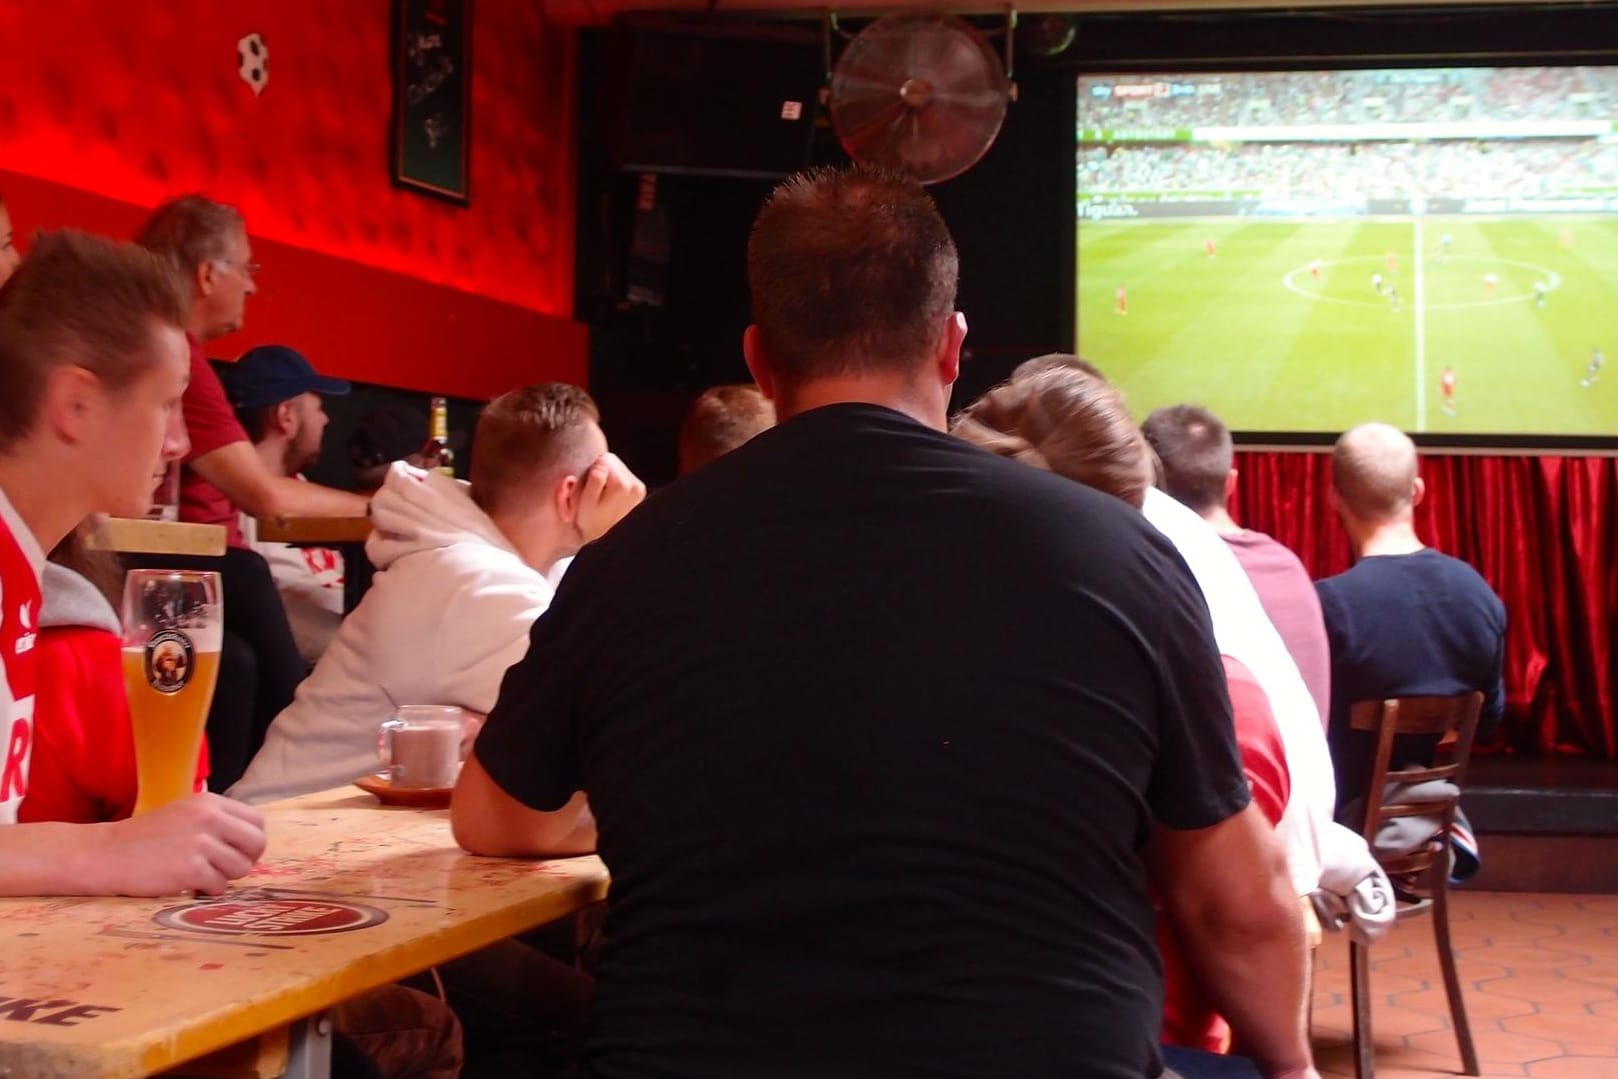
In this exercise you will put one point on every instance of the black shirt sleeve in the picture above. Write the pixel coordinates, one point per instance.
(529, 744)
(1197, 780)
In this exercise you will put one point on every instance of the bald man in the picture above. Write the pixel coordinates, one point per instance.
(1405, 620)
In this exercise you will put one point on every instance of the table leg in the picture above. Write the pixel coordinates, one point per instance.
(309, 1055)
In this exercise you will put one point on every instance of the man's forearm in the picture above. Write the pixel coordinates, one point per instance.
(487, 820)
(48, 859)
(1228, 895)
(298, 499)
(1256, 976)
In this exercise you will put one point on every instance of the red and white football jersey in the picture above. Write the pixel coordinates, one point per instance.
(21, 563)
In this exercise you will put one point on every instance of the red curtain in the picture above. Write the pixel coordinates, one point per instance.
(1542, 530)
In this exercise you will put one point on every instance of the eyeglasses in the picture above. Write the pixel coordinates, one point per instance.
(250, 269)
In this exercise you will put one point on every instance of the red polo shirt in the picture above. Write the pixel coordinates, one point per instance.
(212, 424)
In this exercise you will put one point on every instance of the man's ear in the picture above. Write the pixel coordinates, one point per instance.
(205, 277)
(758, 364)
(948, 359)
(285, 415)
(1418, 492)
(73, 403)
(565, 495)
(1230, 486)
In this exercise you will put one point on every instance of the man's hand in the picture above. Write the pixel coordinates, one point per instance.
(201, 844)
(609, 491)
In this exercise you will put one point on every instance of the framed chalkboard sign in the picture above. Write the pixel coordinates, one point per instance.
(432, 97)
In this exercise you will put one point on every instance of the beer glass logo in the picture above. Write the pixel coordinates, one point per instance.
(169, 664)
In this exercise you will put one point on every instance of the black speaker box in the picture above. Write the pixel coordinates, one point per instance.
(712, 99)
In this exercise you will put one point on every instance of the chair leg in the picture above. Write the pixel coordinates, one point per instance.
(1446, 962)
(1359, 976)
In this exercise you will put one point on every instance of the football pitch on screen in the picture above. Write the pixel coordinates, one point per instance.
(1318, 325)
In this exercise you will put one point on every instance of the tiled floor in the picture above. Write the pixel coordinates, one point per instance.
(1540, 976)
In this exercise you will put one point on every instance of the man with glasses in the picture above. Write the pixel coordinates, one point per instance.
(224, 475)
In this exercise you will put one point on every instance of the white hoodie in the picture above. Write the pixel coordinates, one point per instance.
(1244, 632)
(449, 610)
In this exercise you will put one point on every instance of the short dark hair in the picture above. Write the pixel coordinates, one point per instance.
(524, 435)
(84, 300)
(191, 230)
(1196, 452)
(256, 421)
(721, 419)
(851, 270)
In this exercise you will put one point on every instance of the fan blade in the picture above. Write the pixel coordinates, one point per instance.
(921, 93)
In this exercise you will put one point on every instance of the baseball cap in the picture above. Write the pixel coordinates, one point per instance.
(270, 374)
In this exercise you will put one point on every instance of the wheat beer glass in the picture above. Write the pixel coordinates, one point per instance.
(173, 622)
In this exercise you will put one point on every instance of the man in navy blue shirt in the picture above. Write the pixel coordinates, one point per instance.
(1406, 620)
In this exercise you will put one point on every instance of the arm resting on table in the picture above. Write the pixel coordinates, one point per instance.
(487, 820)
(200, 843)
(238, 471)
(1227, 891)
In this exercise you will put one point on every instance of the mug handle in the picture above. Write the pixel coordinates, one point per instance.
(384, 743)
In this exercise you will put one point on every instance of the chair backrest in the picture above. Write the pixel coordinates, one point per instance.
(1386, 720)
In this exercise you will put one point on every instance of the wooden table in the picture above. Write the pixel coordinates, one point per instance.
(319, 530)
(134, 535)
(349, 896)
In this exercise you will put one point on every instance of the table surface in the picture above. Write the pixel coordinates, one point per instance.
(134, 535)
(313, 529)
(349, 896)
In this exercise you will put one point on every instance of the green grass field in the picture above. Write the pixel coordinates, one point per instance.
(1269, 346)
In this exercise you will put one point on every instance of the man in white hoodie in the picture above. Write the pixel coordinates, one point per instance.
(461, 577)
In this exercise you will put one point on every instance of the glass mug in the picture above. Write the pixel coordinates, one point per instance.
(173, 623)
(420, 746)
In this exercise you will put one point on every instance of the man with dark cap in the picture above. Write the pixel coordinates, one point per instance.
(277, 396)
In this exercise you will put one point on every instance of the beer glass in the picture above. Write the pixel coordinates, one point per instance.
(173, 623)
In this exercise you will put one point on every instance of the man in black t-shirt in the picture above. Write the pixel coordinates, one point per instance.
(881, 733)
(1405, 621)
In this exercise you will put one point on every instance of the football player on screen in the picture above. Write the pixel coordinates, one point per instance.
(1592, 370)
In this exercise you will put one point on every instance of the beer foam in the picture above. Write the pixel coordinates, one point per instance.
(205, 638)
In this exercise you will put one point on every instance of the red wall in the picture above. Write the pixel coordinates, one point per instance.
(106, 109)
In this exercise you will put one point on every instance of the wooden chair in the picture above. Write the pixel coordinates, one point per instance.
(1386, 720)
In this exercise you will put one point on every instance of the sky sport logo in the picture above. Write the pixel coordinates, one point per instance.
(270, 918)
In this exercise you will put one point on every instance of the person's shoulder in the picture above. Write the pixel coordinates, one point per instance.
(1266, 546)
(86, 649)
(470, 570)
(1337, 593)
(1465, 578)
(1456, 567)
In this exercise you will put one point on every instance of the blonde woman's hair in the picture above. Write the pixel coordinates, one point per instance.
(1064, 420)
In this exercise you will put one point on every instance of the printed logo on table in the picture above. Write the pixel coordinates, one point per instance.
(170, 658)
(270, 918)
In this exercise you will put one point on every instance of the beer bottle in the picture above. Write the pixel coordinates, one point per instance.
(443, 458)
